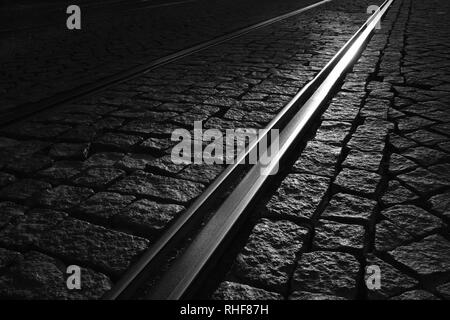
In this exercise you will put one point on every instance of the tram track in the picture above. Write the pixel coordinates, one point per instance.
(25, 110)
(358, 182)
(185, 274)
(52, 11)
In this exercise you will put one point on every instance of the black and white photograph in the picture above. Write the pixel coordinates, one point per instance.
(235, 157)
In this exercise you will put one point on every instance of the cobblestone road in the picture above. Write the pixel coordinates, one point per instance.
(113, 38)
(92, 183)
(372, 187)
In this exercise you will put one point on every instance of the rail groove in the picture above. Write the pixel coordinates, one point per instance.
(185, 275)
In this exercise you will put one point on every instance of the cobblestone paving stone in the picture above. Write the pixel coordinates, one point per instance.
(237, 291)
(383, 145)
(92, 182)
(269, 256)
(112, 39)
(47, 278)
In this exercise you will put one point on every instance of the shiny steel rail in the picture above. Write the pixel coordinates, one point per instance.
(182, 278)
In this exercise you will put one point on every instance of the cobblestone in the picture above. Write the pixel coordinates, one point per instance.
(61, 63)
(298, 196)
(147, 184)
(236, 291)
(365, 141)
(109, 251)
(441, 204)
(103, 159)
(8, 257)
(132, 162)
(369, 161)
(23, 190)
(10, 211)
(444, 290)
(389, 236)
(425, 156)
(373, 179)
(393, 282)
(395, 193)
(318, 158)
(413, 219)
(6, 178)
(27, 229)
(148, 215)
(424, 181)
(61, 171)
(63, 197)
(329, 273)
(333, 132)
(104, 205)
(37, 276)
(338, 236)
(346, 207)
(400, 143)
(426, 137)
(72, 240)
(269, 255)
(77, 151)
(427, 257)
(200, 173)
(416, 295)
(300, 295)
(398, 164)
(117, 141)
(98, 177)
(360, 181)
(389, 173)
(29, 164)
(104, 153)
